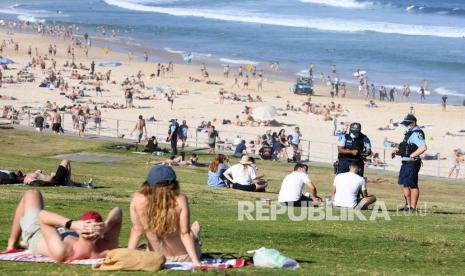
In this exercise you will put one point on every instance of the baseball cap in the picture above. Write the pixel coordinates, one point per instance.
(409, 119)
(355, 127)
(161, 174)
(91, 215)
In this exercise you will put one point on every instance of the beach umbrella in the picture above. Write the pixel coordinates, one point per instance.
(6, 61)
(110, 64)
(264, 112)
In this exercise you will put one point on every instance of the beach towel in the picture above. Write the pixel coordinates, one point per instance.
(28, 256)
(21, 255)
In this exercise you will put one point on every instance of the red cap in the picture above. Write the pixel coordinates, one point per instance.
(91, 215)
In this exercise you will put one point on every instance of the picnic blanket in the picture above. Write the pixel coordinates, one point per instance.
(209, 263)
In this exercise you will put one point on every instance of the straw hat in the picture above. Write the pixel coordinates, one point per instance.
(245, 160)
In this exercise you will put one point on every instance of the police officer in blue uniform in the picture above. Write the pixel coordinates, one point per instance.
(410, 150)
(352, 146)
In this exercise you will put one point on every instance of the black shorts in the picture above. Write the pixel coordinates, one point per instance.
(61, 176)
(56, 127)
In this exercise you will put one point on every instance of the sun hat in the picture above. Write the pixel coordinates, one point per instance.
(245, 160)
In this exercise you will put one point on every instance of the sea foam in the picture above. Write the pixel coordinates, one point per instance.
(351, 4)
(323, 24)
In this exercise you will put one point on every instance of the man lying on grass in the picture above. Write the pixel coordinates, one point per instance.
(87, 238)
(62, 177)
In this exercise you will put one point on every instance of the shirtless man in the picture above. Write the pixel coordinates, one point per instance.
(62, 177)
(139, 129)
(87, 238)
(56, 121)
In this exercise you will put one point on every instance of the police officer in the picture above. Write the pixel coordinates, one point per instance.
(173, 132)
(352, 146)
(410, 150)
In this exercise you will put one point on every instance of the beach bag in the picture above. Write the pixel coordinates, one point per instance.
(132, 260)
(272, 258)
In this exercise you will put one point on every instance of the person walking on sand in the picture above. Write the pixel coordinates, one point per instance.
(236, 82)
(260, 83)
(146, 56)
(245, 83)
(226, 71)
(444, 102)
(139, 129)
(98, 87)
(92, 68)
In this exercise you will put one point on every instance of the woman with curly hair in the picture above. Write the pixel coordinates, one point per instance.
(161, 213)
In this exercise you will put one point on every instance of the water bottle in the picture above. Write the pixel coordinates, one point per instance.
(328, 200)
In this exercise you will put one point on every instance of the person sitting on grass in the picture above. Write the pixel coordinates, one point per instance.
(241, 149)
(215, 171)
(243, 176)
(62, 177)
(152, 145)
(290, 193)
(350, 189)
(87, 238)
(161, 212)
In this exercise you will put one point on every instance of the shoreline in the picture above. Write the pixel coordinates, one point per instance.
(138, 46)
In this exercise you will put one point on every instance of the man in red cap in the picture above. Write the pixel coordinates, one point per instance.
(61, 238)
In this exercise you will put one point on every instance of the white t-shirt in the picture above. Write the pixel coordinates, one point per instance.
(348, 186)
(291, 188)
(241, 176)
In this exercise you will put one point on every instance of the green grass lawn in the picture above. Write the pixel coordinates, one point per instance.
(430, 244)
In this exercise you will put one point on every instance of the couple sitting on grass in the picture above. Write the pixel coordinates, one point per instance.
(242, 176)
(158, 210)
(349, 189)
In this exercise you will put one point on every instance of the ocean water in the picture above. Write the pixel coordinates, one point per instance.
(396, 41)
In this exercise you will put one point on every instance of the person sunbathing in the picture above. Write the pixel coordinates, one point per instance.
(178, 160)
(87, 238)
(62, 177)
(161, 213)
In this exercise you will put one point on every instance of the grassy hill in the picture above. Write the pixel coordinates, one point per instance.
(431, 243)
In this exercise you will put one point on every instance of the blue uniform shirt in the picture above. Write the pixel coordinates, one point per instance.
(342, 141)
(417, 139)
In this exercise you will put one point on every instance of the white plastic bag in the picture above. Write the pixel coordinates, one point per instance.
(272, 258)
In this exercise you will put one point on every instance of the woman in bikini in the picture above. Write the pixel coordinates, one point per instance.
(161, 212)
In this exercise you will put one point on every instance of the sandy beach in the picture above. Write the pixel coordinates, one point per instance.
(202, 102)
